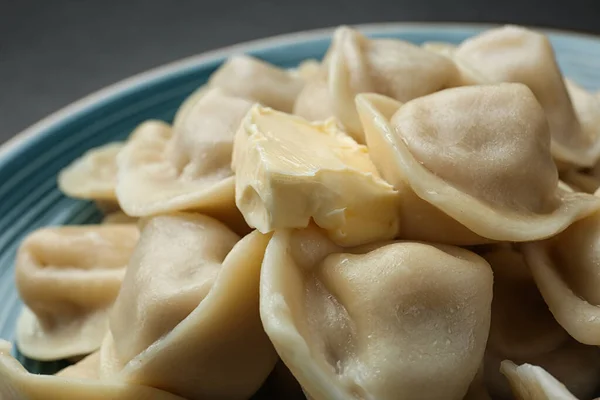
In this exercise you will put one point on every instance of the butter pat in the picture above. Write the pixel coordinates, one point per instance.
(289, 170)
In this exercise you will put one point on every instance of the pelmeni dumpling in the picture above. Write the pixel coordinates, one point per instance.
(479, 154)
(356, 64)
(389, 320)
(92, 176)
(522, 325)
(314, 101)
(516, 54)
(18, 384)
(289, 172)
(530, 382)
(257, 81)
(566, 271)
(187, 319)
(187, 167)
(69, 277)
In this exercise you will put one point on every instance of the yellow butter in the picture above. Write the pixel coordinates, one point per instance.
(289, 171)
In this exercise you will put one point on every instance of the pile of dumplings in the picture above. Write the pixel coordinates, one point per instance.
(394, 222)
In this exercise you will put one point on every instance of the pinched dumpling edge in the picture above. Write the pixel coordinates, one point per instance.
(375, 111)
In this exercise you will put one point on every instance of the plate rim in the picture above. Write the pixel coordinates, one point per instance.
(147, 77)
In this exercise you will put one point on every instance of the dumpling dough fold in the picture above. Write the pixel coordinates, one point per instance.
(186, 320)
(69, 277)
(187, 167)
(566, 271)
(479, 154)
(93, 176)
(257, 81)
(356, 64)
(530, 382)
(389, 320)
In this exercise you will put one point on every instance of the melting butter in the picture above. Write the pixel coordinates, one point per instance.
(289, 171)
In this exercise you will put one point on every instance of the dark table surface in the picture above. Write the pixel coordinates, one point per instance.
(53, 52)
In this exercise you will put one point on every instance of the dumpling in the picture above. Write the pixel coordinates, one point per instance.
(522, 325)
(389, 320)
(575, 365)
(308, 69)
(289, 172)
(187, 167)
(186, 320)
(69, 277)
(257, 81)
(479, 154)
(17, 384)
(314, 101)
(188, 104)
(92, 176)
(566, 271)
(390, 67)
(530, 382)
(191, 292)
(515, 54)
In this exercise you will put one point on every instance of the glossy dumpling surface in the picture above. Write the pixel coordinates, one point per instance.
(530, 382)
(68, 278)
(289, 172)
(387, 321)
(431, 144)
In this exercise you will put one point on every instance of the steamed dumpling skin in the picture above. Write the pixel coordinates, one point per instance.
(257, 81)
(69, 277)
(389, 320)
(93, 176)
(520, 55)
(185, 167)
(430, 145)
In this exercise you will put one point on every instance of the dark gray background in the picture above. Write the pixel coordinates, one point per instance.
(53, 52)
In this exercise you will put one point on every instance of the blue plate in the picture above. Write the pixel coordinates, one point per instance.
(29, 163)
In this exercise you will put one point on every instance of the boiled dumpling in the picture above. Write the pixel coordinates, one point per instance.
(530, 382)
(522, 325)
(515, 54)
(308, 69)
(566, 271)
(17, 384)
(289, 172)
(255, 80)
(92, 176)
(479, 154)
(187, 167)
(389, 320)
(188, 104)
(401, 70)
(314, 101)
(186, 319)
(69, 277)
